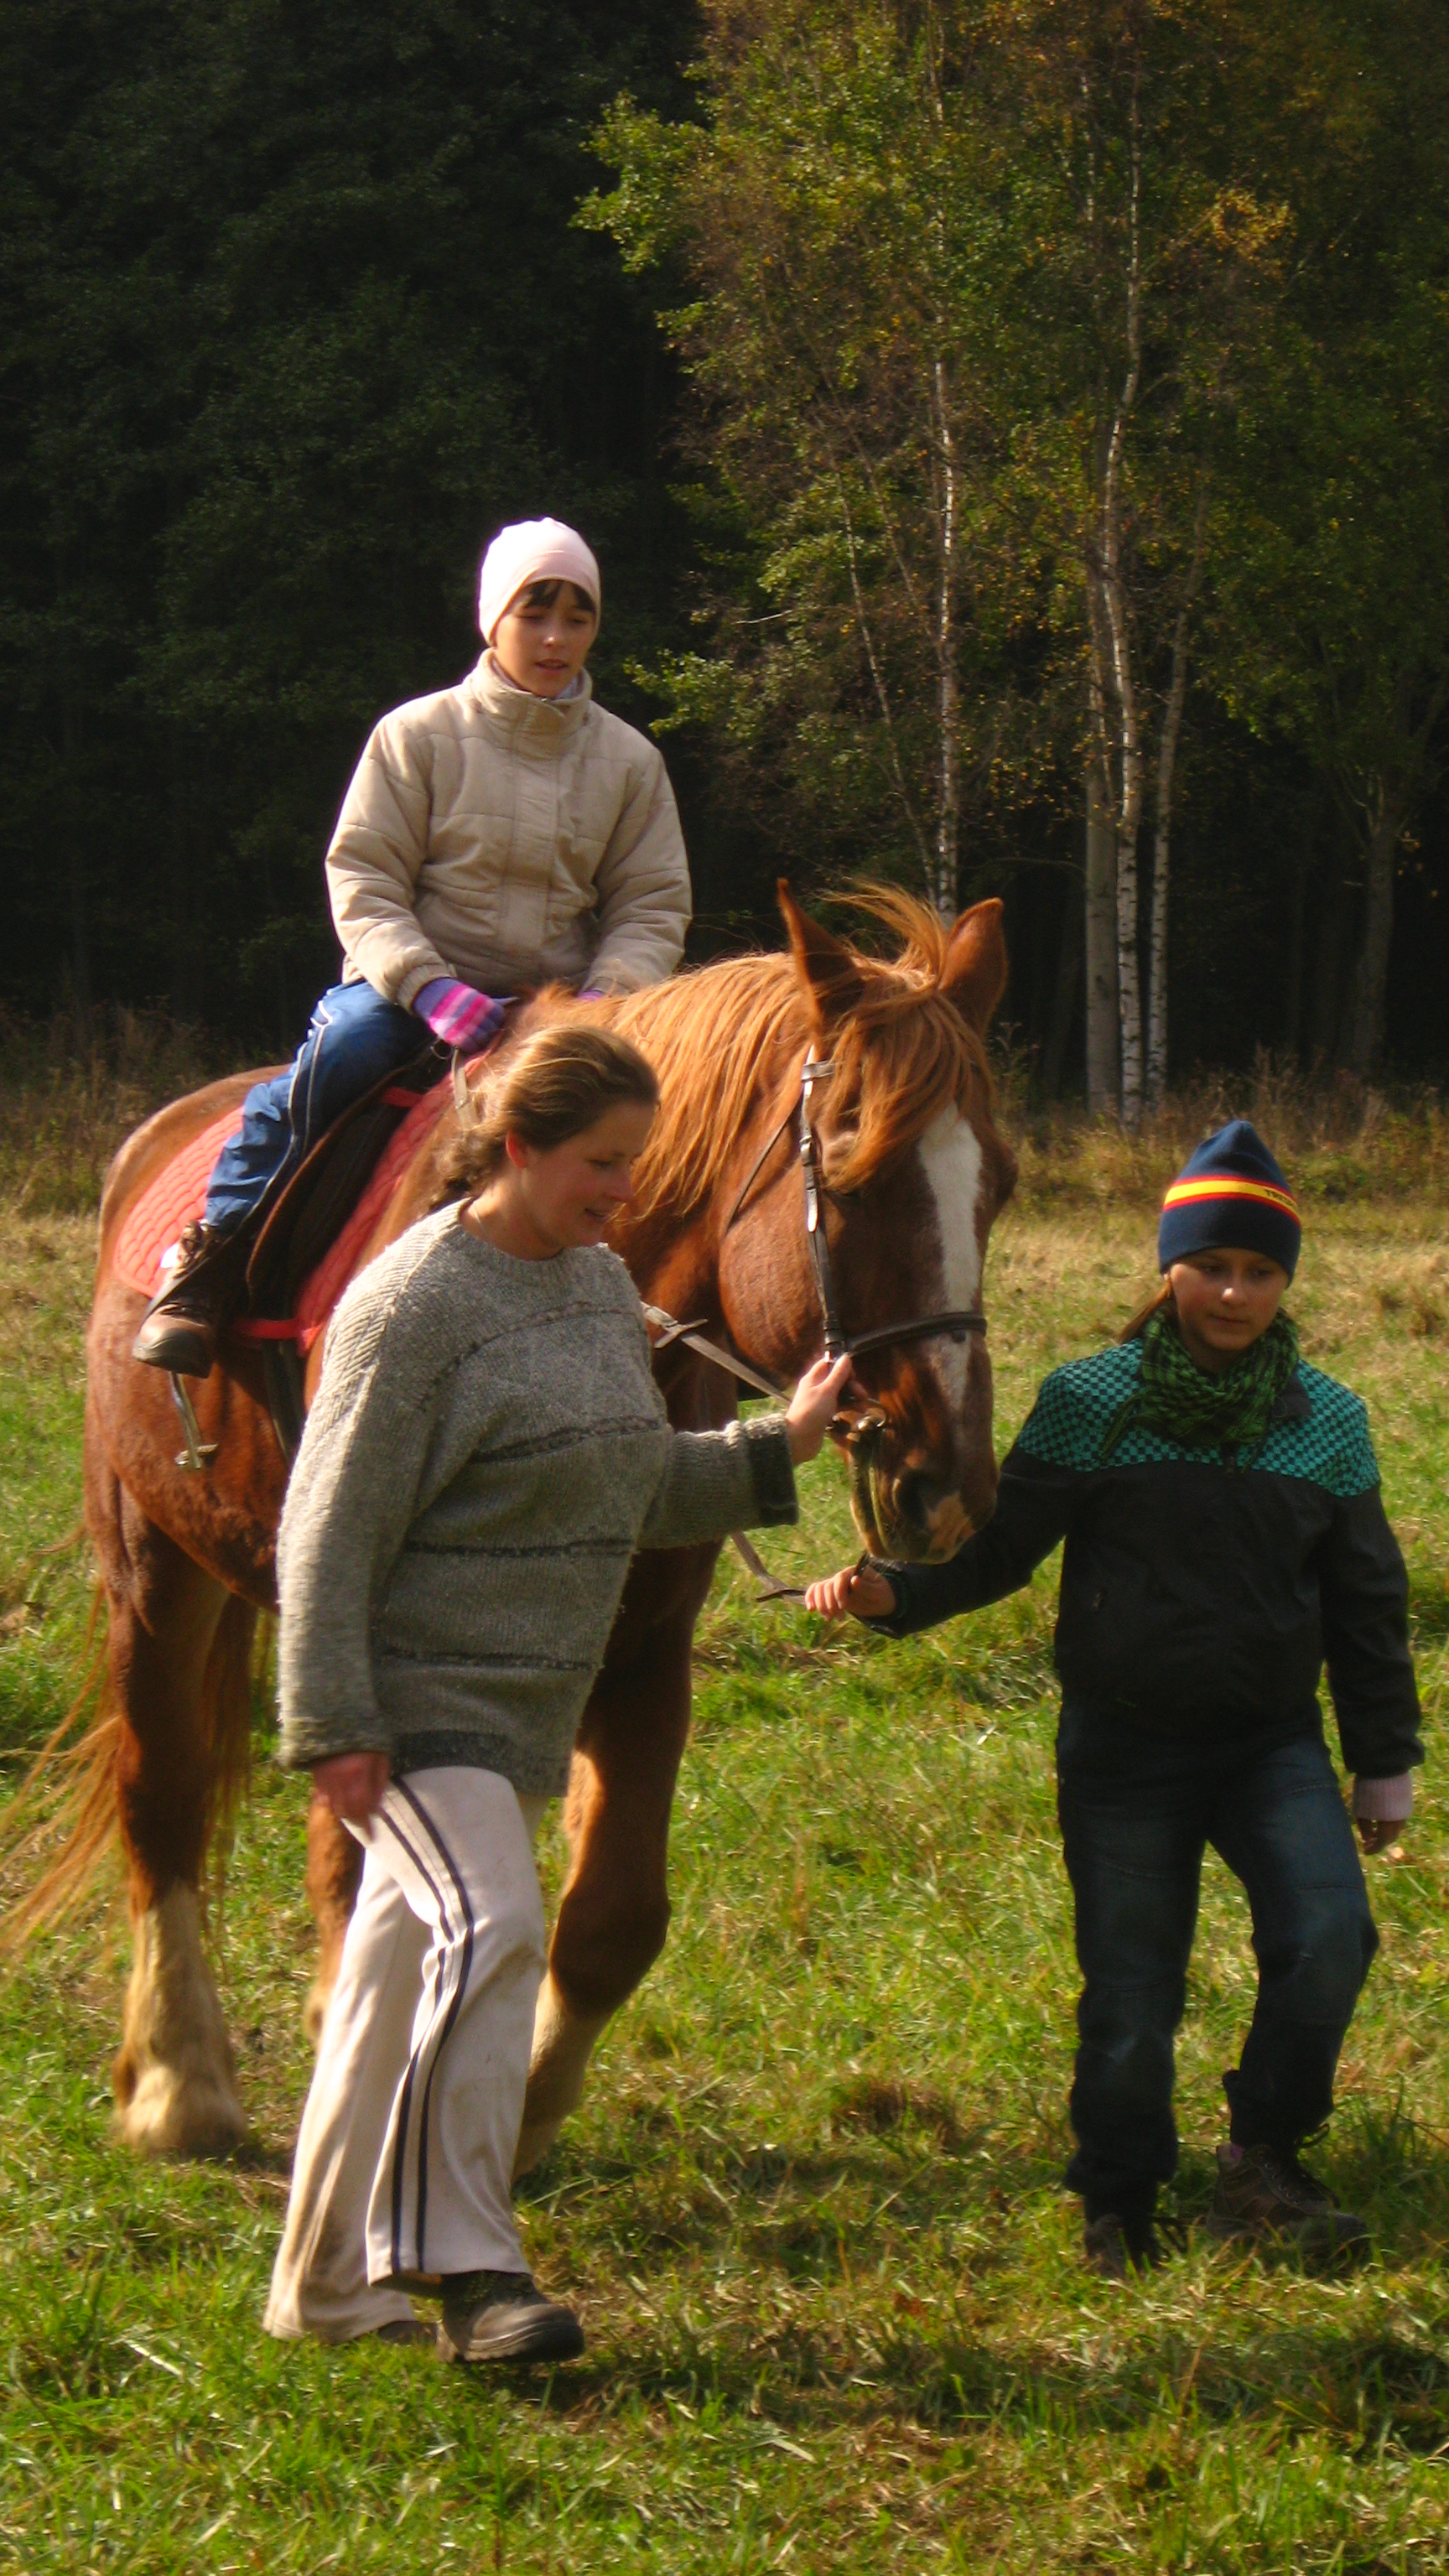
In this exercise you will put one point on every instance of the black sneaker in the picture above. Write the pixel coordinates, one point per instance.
(1265, 2197)
(502, 2316)
(1115, 2248)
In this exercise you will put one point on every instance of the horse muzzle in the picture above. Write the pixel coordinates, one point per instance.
(903, 1506)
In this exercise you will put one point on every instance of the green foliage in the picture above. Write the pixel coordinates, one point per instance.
(809, 2207)
(994, 313)
(293, 320)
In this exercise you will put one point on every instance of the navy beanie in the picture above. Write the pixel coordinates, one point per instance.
(1230, 1196)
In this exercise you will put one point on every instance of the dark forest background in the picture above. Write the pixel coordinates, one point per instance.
(295, 313)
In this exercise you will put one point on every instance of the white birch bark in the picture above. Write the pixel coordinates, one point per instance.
(1126, 718)
(1162, 819)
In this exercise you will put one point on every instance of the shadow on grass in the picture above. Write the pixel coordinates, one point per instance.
(751, 2230)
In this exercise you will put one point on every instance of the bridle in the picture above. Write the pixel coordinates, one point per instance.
(954, 1322)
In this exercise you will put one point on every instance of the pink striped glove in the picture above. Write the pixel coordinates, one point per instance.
(457, 1014)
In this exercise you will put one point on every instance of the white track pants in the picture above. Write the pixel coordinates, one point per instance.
(405, 2153)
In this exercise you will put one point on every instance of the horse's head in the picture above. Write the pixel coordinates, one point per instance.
(914, 1173)
(911, 1170)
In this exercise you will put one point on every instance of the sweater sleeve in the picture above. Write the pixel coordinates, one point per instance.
(1034, 1507)
(717, 1481)
(352, 1494)
(1364, 1590)
(375, 860)
(643, 888)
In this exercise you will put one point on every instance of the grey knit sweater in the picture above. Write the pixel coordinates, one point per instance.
(486, 1451)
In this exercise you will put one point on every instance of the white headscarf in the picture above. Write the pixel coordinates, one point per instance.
(532, 550)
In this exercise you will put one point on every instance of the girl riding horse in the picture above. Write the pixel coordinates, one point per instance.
(500, 835)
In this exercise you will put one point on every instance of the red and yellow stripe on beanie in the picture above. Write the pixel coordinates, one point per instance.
(1230, 1196)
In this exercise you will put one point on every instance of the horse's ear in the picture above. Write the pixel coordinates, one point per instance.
(823, 963)
(974, 974)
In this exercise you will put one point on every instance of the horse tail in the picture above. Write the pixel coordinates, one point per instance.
(85, 1814)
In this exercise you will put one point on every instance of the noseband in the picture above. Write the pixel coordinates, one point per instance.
(956, 1323)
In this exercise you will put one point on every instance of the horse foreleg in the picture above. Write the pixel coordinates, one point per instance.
(334, 1870)
(614, 1910)
(178, 1668)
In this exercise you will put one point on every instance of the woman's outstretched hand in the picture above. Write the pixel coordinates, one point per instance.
(352, 1784)
(814, 1404)
(856, 1588)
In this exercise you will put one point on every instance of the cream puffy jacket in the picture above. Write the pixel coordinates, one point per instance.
(508, 840)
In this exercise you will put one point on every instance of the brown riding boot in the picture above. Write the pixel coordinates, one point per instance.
(1264, 2197)
(185, 1320)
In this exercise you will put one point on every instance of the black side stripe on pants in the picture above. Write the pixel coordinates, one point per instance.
(455, 2005)
(410, 2079)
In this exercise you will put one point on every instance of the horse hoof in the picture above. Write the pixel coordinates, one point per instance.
(161, 2114)
(173, 2076)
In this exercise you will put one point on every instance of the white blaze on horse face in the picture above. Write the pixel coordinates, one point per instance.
(950, 1152)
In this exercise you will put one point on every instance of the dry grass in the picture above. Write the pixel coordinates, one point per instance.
(70, 1095)
(1338, 1138)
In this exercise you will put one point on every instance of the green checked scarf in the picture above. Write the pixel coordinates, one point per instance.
(1180, 1402)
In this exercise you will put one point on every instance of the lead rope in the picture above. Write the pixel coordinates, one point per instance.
(669, 1330)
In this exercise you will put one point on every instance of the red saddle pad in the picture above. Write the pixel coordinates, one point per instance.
(153, 1226)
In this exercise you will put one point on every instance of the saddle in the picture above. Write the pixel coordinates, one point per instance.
(311, 1238)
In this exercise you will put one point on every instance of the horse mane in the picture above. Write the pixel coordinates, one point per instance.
(903, 1052)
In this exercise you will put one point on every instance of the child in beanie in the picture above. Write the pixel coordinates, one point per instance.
(1225, 1535)
(499, 835)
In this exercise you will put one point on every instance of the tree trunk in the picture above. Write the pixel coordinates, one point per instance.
(948, 827)
(1371, 980)
(1162, 838)
(77, 903)
(877, 681)
(1100, 929)
(1064, 995)
(1127, 722)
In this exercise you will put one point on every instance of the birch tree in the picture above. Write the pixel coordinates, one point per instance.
(1165, 267)
(844, 219)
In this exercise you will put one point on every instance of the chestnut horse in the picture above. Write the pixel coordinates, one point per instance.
(912, 1174)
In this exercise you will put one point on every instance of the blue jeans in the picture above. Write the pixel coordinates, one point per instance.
(353, 1039)
(1135, 1829)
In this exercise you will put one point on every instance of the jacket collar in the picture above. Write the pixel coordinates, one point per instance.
(533, 724)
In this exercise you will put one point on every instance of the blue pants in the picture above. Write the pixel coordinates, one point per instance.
(1135, 1832)
(354, 1038)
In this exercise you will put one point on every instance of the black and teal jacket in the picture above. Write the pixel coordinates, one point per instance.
(1201, 1592)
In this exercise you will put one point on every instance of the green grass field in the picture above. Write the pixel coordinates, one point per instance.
(810, 2208)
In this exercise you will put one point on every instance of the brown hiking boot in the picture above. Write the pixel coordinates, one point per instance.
(1114, 2248)
(1264, 2197)
(185, 1319)
(502, 2316)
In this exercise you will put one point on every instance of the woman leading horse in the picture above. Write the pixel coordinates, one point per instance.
(823, 1081)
